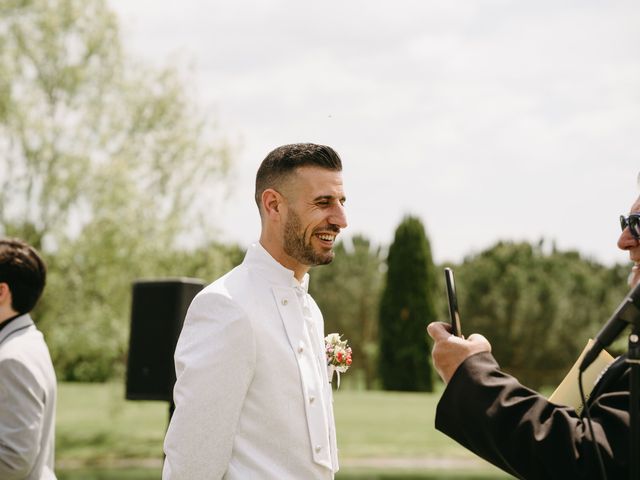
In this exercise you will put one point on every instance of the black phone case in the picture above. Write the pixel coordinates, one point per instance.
(454, 314)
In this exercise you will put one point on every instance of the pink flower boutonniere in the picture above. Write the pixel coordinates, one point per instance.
(338, 356)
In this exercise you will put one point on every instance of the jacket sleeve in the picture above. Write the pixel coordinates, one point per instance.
(517, 429)
(21, 414)
(215, 360)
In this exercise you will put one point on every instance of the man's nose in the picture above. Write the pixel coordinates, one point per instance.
(626, 240)
(339, 216)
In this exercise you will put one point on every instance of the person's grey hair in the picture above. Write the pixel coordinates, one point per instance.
(284, 160)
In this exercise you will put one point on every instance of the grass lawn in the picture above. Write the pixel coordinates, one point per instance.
(390, 424)
(379, 434)
(95, 424)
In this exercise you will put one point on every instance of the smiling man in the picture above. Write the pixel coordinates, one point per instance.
(252, 395)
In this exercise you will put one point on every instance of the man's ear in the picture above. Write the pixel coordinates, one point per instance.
(5, 292)
(272, 203)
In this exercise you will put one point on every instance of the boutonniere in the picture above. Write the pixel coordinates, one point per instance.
(338, 354)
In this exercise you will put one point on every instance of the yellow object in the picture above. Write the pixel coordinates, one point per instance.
(568, 392)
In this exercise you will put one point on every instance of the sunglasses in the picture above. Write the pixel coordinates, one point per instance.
(633, 222)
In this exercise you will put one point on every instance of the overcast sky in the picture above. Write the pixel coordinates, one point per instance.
(488, 119)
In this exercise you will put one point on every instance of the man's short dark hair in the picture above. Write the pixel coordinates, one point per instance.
(22, 268)
(284, 160)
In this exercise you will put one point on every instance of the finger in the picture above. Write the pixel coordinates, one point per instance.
(438, 331)
(477, 338)
(479, 341)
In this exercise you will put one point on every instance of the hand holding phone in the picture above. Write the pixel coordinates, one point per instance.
(454, 314)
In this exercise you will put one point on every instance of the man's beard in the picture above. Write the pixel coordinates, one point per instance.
(295, 246)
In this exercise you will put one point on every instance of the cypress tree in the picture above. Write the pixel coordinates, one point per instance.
(407, 305)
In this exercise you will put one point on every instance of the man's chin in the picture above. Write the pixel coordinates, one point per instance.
(324, 258)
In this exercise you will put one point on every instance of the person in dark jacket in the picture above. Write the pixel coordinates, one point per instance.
(516, 428)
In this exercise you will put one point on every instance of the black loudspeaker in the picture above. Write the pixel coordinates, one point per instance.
(158, 308)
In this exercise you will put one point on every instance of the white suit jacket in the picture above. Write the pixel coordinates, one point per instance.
(27, 403)
(252, 396)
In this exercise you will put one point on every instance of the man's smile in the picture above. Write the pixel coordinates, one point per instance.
(327, 237)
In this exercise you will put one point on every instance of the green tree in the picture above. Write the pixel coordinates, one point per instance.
(348, 293)
(82, 123)
(106, 164)
(536, 308)
(408, 304)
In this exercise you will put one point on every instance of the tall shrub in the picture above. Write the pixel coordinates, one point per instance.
(408, 304)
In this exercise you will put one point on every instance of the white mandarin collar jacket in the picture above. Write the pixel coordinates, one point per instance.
(252, 395)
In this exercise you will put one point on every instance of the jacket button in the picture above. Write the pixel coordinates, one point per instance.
(312, 399)
(300, 347)
(318, 448)
(285, 302)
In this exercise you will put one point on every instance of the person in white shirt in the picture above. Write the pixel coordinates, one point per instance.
(27, 380)
(252, 395)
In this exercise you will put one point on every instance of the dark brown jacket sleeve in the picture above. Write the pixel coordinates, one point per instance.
(520, 431)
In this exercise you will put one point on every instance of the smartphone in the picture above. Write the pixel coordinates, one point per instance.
(454, 314)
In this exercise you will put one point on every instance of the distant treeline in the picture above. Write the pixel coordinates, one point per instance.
(537, 307)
